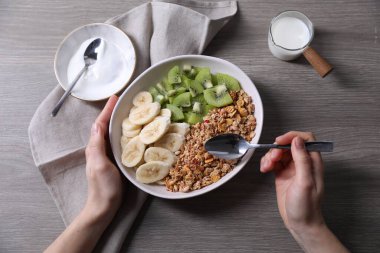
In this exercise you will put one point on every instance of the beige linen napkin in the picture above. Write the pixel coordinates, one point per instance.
(158, 30)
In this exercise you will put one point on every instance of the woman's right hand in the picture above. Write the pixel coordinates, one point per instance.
(299, 188)
(299, 181)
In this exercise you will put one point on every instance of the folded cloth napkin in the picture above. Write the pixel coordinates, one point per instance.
(158, 30)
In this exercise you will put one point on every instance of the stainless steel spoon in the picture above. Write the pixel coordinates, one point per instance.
(90, 56)
(233, 146)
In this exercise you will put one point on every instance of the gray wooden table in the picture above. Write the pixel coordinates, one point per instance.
(242, 215)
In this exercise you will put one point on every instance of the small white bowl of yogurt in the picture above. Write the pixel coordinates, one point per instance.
(112, 71)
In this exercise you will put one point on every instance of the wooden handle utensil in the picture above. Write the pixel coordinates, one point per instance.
(318, 62)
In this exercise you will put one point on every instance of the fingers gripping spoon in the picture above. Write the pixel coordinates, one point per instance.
(233, 146)
(90, 56)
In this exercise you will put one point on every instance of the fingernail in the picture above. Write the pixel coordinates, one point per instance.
(262, 162)
(94, 129)
(299, 143)
(265, 163)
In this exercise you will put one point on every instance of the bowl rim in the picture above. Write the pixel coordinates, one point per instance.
(80, 28)
(210, 187)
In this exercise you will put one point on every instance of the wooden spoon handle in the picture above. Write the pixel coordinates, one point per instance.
(317, 61)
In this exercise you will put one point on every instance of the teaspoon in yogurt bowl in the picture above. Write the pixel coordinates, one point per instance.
(233, 146)
(114, 67)
(90, 56)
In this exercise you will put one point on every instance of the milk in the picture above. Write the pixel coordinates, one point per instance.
(288, 37)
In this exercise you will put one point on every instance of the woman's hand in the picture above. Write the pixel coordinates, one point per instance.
(299, 181)
(104, 181)
(104, 193)
(299, 188)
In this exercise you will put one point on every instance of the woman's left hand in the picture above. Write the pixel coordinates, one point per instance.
(104, 181)
(104, 193)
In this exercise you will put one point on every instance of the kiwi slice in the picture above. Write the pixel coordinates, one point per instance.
(230, 82)
(185, 82)
(207, 108)
(153, 91)
(187, 68)
(187, 109)
(202, 68)
(203, 76)
(199, 110)
(208, 84)
(217, 96)
(195, 88)
(161, 89)
(183, 100)
(200, 98)
(181, 90)
(167, 86)
(193, 73)
(214, 80)
(193, 118)
(177, 114)
(174, 75)
(197, 107)
(171, 93)
(160, 99)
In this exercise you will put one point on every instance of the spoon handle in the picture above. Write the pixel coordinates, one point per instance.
(67, 92)
(320, 146)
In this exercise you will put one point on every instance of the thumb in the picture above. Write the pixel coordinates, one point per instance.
(96, 145)
(302, 161)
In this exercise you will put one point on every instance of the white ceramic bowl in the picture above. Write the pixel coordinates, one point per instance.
(153, 75)
(73, 41)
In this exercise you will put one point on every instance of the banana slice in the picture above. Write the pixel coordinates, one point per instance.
(132, 109)
(179, 128)
(127, 125)
(172, 141)
(141, 162)
(133, 152)
(131, 133)
(144, 113)
(166, 113)
(142, 98)
(160, 182)
(154, 130)
(124, 141)
(152, 171)
(159, 154)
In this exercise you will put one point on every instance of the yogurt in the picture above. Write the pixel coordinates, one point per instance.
(106, 71)
(289, 35)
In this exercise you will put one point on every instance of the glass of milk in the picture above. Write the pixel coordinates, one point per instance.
(290, 33)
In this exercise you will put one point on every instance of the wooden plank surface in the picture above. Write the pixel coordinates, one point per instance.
(242, 215)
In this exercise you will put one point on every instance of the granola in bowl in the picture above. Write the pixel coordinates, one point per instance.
(195, 167)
